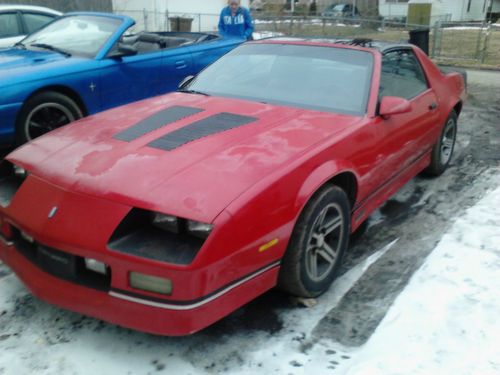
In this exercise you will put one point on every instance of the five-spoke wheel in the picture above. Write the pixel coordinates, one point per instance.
(318, 242)
(443, 149)
(324, 241)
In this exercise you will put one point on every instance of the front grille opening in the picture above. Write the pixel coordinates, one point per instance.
(137, 236)
(10, 182)
(60, 264)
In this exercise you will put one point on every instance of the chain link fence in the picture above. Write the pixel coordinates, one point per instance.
(146, 20)
(457, 43)
(475, 44)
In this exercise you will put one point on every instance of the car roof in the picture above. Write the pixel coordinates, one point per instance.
(379, 45)
(29, 7)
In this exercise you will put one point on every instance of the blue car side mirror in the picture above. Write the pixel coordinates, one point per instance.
(122, 50)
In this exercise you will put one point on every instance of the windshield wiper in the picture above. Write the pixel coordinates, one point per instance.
(51, 48)
(20, 45)
(194, 92)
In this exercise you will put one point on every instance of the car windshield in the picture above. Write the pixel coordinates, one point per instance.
(339, 8)
(75, 35)
(312, 77)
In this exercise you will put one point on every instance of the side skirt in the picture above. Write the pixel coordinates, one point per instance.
(384, 192)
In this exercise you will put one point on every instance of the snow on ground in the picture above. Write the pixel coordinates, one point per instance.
(266, 34)
(445, 322)
(303, 21)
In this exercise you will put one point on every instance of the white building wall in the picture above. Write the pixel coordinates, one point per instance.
(153, 14)
(496, 6)
(457, 9)
(390, 9)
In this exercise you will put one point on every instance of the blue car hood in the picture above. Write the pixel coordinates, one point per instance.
(19, 65)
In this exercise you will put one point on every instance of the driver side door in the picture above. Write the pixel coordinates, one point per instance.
(130, 78)
(405, 136)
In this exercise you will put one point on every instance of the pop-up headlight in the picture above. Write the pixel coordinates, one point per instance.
(166, 222)
(201, 230)
(159, 236)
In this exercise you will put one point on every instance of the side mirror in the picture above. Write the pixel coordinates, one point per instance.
(393, 105)
(186, 81)
(123, 50)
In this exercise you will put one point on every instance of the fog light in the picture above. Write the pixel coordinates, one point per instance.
(95, 265)
(150, 283)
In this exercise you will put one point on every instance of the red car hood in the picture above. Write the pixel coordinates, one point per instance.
(196, 180)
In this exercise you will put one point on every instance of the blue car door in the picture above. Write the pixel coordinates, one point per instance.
(130, 78)
(177, 64)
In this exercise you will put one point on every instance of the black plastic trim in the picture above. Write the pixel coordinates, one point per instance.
(208, 126)
(156, 121)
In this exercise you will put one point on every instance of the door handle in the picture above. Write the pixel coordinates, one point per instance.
(433, 106)
(180, 64)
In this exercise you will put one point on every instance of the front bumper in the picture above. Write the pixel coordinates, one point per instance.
(135, 311)
(47, 252)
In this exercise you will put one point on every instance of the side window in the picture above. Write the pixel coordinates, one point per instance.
(34, 21)
(401, 75)
(9, 25)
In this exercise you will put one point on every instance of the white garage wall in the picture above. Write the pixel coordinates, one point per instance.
(391, 9)
(457, 9)
(153, 14)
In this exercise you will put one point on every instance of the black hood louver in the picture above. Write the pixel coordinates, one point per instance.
(156, 121)
(199, 129)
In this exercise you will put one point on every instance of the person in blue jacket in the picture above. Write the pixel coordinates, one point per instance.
(235, 21)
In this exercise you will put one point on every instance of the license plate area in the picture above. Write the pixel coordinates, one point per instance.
(60, 264)
(56, 262)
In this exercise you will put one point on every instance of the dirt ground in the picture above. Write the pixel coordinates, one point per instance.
(413, 222)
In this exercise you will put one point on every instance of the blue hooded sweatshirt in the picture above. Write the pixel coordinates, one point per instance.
(239, 26)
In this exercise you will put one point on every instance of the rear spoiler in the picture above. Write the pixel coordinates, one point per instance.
(452, 69)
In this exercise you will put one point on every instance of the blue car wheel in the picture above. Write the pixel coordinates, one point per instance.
(45, 112)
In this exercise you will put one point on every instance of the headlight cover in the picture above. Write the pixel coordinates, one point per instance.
(166, 222)
(198, 229)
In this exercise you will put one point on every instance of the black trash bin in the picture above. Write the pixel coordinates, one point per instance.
(420, 38)
(180, 23)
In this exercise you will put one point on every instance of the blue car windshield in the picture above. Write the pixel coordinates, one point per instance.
(312, 77)
(75, 35)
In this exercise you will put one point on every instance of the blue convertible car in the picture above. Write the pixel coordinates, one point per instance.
(84, 63)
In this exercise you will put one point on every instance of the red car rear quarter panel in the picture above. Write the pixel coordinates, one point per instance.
(449, 88)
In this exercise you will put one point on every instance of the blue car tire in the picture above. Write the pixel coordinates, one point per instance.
(44, 112)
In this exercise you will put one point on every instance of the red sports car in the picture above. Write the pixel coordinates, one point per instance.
(167, 214)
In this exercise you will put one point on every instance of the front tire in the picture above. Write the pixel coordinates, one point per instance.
(443, 149)
(44, 112)
(318, 242)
